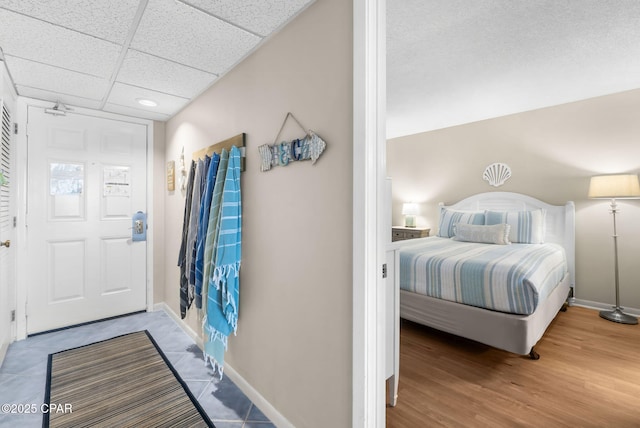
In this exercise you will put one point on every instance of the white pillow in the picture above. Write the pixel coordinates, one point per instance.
(484, 234)
(449, 217)
(527, 227)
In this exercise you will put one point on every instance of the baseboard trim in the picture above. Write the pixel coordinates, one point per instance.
(265, 407)
(183, 325)
(3, 352)
(604, 307)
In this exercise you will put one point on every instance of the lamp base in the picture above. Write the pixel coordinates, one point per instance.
(616, 315)
(410, 221)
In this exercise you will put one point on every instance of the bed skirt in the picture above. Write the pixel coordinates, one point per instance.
(513, 333)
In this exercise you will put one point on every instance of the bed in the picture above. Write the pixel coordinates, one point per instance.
(480, 315)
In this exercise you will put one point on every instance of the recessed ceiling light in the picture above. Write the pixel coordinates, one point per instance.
(146, 103)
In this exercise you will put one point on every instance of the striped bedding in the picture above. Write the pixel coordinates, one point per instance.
(506, 278)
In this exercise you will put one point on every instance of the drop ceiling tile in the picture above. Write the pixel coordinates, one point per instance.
(126, 95)
(179, 32)
(133, 112)
(32, 39)
(259, 16)
(67, 100)
(148, 71)
(109, 20)
(54, 79)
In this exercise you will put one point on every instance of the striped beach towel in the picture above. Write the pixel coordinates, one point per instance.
(185, 303)
(203, 226)
(224, 285)
(198, 186)
(212, 229)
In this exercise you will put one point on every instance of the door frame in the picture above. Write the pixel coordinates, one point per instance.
(369, 181)
(8, 97)
(21, 174)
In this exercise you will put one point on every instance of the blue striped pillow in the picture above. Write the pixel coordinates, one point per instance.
(449, 218)
(527, 227)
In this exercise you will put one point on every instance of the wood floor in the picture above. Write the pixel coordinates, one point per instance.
(588, 375)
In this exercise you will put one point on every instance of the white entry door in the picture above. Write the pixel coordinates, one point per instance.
(86, 178)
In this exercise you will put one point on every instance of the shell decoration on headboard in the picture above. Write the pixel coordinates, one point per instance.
(496, 174)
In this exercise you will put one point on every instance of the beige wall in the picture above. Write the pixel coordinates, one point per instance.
(294, 334)
(160, 189)
(552, 153)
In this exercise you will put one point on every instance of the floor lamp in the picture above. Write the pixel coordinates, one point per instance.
(619, 186)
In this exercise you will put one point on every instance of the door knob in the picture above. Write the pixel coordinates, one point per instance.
(6, 243)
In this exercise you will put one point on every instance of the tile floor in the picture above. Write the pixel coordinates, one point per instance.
(23, 372)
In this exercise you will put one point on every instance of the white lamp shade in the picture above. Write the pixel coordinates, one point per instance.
(410, 209)
(618, 186)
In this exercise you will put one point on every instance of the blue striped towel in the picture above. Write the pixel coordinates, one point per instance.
(205, 207)
(224, 285)
(212, 229)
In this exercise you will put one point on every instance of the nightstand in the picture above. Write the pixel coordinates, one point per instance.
(400, 233)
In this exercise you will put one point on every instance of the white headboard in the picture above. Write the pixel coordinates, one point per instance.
(559, 220)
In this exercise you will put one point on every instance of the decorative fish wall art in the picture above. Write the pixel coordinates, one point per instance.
(281, 154)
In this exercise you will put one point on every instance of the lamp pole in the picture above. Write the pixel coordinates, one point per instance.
(616, 315)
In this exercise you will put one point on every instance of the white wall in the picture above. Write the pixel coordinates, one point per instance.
(552, 153)
(294, 334)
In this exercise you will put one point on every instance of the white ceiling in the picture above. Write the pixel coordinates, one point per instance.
(451, 62)
(105, 54)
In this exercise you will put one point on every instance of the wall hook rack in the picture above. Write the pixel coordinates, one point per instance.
(237, 141)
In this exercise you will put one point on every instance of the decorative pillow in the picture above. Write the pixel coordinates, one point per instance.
(484, 234)
(527, 227)
(449, 217)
